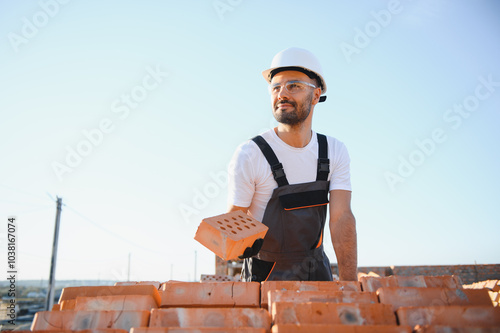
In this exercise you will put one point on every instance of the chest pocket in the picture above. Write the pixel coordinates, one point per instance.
(300, 200)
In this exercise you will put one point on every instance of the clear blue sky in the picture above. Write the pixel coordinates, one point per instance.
(131, 110)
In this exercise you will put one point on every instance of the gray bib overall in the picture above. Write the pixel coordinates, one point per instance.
(295, 215)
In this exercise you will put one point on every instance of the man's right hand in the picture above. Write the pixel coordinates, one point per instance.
(252, 251)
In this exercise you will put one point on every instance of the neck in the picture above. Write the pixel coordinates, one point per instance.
(297, 136)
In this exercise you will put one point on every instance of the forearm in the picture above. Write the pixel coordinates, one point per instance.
(344, 239)
(233, 208)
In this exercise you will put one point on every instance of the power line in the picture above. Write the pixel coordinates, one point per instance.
(46, 207)
(115, 234)
(25, 192)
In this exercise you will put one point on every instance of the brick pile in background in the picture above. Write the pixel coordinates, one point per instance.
(373, 304)
(467, 273)
(219, 278)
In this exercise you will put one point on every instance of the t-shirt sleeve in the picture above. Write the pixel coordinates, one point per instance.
(340, 168)
(241, 185)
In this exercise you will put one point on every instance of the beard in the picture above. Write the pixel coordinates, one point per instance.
(294, 117)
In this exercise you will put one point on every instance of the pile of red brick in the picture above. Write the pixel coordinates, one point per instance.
(374, 304)
(493, 287)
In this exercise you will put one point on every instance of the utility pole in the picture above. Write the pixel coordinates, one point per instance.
(52, 280)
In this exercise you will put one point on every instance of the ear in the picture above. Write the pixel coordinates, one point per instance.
(316, 96)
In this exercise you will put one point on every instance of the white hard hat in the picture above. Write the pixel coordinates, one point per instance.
(295, 58)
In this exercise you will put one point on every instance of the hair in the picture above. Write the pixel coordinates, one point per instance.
(310, 74)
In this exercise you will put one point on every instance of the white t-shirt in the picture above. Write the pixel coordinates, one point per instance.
(251, 182)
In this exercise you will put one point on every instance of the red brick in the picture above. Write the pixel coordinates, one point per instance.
(156, 284)
(91, 291)
(443, 281)
(97, 330)
(228, 235)
(67, 305)
(495, 296)
(332, 313)
(493, 285)
(216, 278)
(306, 286)
(80, 320)
(480, 285)
(451, 329)
(415, 296)
(370, 283)
(213, 294)
(293, 328)
(451, 315)
(210, 317)
(119, 303)
(197, 330)
(321, 296)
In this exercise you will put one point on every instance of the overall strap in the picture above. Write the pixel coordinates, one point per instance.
(323, 160)
(276, 166)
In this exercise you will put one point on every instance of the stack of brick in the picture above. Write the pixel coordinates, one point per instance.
(394, 304)
(373, 304)
(493, 287)
(119, 307)
(219, 278)
(436, 303)
(339, 306)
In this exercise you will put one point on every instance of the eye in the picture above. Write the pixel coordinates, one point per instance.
(294, 87)
(275, 89)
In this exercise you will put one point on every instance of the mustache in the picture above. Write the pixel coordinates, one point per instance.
(292, 103)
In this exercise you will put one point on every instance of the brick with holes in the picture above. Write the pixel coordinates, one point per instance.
(216, 278)
(228, 235)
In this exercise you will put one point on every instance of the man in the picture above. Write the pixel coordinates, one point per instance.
(283, 177)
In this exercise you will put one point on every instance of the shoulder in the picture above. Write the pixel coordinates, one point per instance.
(335, 144)
(248, 152)
(250, 148)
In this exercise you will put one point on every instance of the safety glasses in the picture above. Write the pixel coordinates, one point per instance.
(293, 87)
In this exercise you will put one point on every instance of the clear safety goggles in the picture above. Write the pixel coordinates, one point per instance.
(293, 87)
